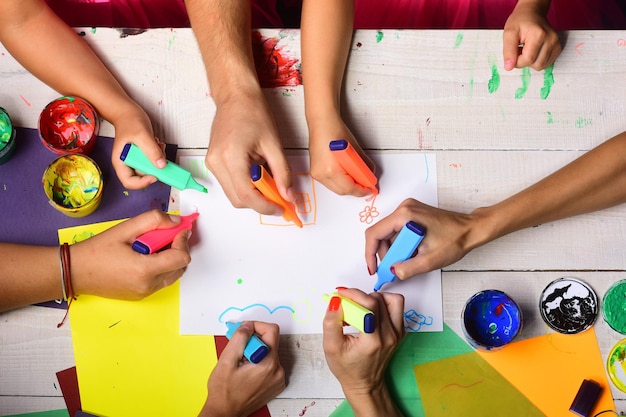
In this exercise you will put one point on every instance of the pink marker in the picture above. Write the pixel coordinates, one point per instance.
(155, 240)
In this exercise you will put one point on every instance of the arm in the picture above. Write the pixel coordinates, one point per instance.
(323, 66)
(244, 131)
(451, 235)
(236, 388)
(529, 26)
(104, 265)
(359, 362)
(55, 54)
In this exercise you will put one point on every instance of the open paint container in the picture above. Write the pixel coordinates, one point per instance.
(7, 137)
(491, 319)
(69, 125)
(614, 305)
(73, 185)
(615, 365)
(568, 305)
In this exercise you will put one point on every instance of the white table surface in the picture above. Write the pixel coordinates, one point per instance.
(404, 90)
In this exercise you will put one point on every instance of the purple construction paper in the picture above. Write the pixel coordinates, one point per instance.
(29, 218)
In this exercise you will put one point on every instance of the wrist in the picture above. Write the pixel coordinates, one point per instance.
(540, 7)
(373, 402)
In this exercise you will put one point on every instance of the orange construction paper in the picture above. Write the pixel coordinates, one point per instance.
(549, 370)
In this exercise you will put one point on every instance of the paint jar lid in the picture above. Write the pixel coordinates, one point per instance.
(7, 137)
(73, 185)
(615, 366)
(69, 125)
(568, 305)
(491, 319)
(614, 305)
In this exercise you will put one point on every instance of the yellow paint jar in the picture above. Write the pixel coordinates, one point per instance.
(73, 185)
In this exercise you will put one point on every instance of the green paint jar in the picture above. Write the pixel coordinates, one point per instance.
(614, 307)
(7, 137)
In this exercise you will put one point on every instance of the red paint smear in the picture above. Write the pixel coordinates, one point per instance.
(274, 68)
(306, 407)
(460, 386)
(24, 100)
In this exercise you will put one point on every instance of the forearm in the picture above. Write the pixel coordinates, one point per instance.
(223, 31)
(595, 181)
(29, 275)
(323, 63)
(50, 50)
(541, 7)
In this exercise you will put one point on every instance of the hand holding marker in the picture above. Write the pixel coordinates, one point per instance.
(172, 174)
(401, 249)
(157, 239)
(355, 314)
(353, 164)
(255, 349)
(264, 182)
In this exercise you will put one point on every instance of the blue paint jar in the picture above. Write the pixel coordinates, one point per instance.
(491, 319)
(7, 137)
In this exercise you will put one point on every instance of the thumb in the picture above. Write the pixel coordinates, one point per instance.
(333, 324)
(510, 48)
(281, 172)
(233, 352)
(150, 220)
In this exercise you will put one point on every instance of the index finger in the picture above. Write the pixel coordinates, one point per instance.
(510, 48)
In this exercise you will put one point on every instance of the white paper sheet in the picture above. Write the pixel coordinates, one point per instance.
(251, 267)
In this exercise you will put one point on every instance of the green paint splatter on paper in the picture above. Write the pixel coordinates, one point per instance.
(519, 93)
(550, 119)
(494, 82)
(458, 41)
(548, 82)
(379, 36)
(240, 281)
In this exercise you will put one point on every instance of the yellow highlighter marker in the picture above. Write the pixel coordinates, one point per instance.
(264, 182)
(355, 314)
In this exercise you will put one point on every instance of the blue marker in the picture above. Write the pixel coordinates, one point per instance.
(402, 249)
(255, 350)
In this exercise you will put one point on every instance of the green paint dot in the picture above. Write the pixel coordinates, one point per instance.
(550, 119)
(494, 82)
(239, 281)
(548, 82)
(583, 122)
(379, 36)
(458, 41)
(519, 93)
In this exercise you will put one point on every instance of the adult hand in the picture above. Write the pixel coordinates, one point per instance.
(133, 126)
(527, 25)
(324, 167)
(107, 266)
(244, 133)
(359, 362)
(237, 387)
(449, 237)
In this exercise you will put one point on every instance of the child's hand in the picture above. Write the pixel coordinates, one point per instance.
(107, 266)
(527, 25)
(324, 168)
(238, 388)
(134, 127)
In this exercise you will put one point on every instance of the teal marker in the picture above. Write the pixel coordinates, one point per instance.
(355, 314)
(255, 349)
(172, 174)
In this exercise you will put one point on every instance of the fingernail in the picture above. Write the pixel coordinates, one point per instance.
(246, 325)
(334, 304)
(369, 271)
(341, 288)
(160, 163)
(175, 218)
(393, 270)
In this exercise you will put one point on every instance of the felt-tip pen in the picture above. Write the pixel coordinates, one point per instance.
(264, 182)
(355, 314)
(172, 174)
(255, 349)
(401, 249)
(353, 164)
(155, 240)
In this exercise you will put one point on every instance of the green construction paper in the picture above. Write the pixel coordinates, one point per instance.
(466, 385)
(415, 349)
(51, 413)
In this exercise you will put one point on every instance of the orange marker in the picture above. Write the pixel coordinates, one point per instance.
(354, 165)
(264, 182)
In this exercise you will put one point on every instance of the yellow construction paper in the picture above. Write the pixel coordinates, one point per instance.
(549, 370)
(130, 357)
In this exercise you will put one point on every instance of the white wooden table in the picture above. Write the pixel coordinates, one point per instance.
(404, 90)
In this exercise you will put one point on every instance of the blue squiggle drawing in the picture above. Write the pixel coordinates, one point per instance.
(413, 321)
(269, 310)
(427, 170)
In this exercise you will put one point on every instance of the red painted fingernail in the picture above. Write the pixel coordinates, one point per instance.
(393, 270)
(369, 271)
(334, 304)
(341, 288)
